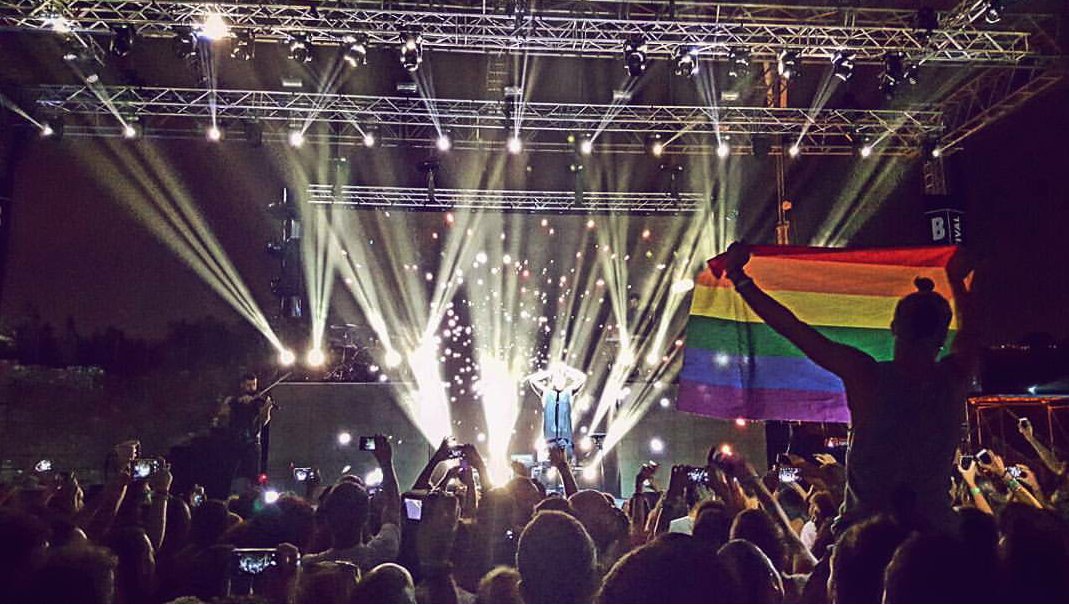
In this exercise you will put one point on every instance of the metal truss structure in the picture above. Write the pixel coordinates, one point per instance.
(481, 123)
(595, 28)
(408, 198)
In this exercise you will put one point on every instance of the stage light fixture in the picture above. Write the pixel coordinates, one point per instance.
(214, 27)
(656, 445)
(723, 149)
(184, 43)
(214, 133)
(58, 23)
(131, 131)
(345, 438)
(299, 48)
(842, 65)
(863, 145)
(654, 145)
(585, 145)
(295, 138)
(932, 149)
(122, 40)
(444, 143)
(373, 478)
(354, 50)
(514, 145)
(895, 72)
(635, 49)
(315, 358)
(993, 11)
(411, 50)
(865, 151)
(244, 46)
(271, 496)
(787, 66)
(665, 402)
(738, 63)
(47, 130)
(794, 150)
(286, 358)
(369, 138)
(686, 59)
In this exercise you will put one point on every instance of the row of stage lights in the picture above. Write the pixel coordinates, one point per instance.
(655, 144)
(316, 358)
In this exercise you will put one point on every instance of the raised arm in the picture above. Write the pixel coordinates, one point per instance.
(560, 462)
(423, 481)
(391, 512)
(1056, 466)
(538, 381)
(844, 361)
(578, 378)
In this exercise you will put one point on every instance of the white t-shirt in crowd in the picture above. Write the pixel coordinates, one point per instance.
(383, 548)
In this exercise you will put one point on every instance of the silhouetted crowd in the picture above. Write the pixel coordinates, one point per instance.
(721, 532)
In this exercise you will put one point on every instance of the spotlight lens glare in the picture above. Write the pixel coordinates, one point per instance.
(665, 402)
(316, 358)
(47, 131)
(514, 145)
(214, 27)
(656, 445)
(271, 496)
(444, 144)
(296, 138)
(937, 152)
(794, 150)
(866, 151)
(129, 131)
(723, 150)
(286, 357)
(657, 149)
(373, 478)
(345, 438)
(586, 146)
(393, 359)
(369, 139)
(214, 134)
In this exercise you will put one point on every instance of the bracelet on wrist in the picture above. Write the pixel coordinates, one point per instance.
(974, 490)
(1013, 484)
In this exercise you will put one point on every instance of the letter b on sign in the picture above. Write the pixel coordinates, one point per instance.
(939, 229)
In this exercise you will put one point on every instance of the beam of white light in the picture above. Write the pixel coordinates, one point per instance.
(145, 185)
(497, 390)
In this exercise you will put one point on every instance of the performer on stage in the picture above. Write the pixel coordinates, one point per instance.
(557, 388)
(242, 418)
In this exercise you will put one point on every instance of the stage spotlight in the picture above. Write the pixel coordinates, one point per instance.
(315, 358)
(514, 144)
(345, 438)
(665, 402)
(932, 149)
(286, 358)
(369, 138)
(122, 40)
(865, 151)
(131, 131)
(894, 73)
(299, 48)
(244, 46)
(214, 27)
(656, 445)
(655, 145)
(52, 128)
(46, 130)
(444, 143)
(993, 12)
(373, 478)
(794, 150)
(184, 43)
(686, 59)
(411, 50)
(585, 146)
(863, 145)
(296, 138)
(842, 65)
(214, 133)
(738, 63)
(254, 132)
(788, 65)
(271, 496)
(635, 49)
(354, 50)
(58, 23)
(723, 149)
(393, 358)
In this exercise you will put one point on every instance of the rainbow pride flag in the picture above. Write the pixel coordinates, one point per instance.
(735, 366)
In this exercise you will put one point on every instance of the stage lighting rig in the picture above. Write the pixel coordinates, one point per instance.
(895, 72)
(932, 149)
(244, 46)
(842, 65)
(993, 11)
(354, 50)
(411, 50)
(300, 48)
(122, 40)
(213, 28)
(788, 64)
(738, 63)
(57, 23)
(635, 55)
(686, 59)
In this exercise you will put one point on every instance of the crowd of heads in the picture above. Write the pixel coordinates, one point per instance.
(732, 535)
